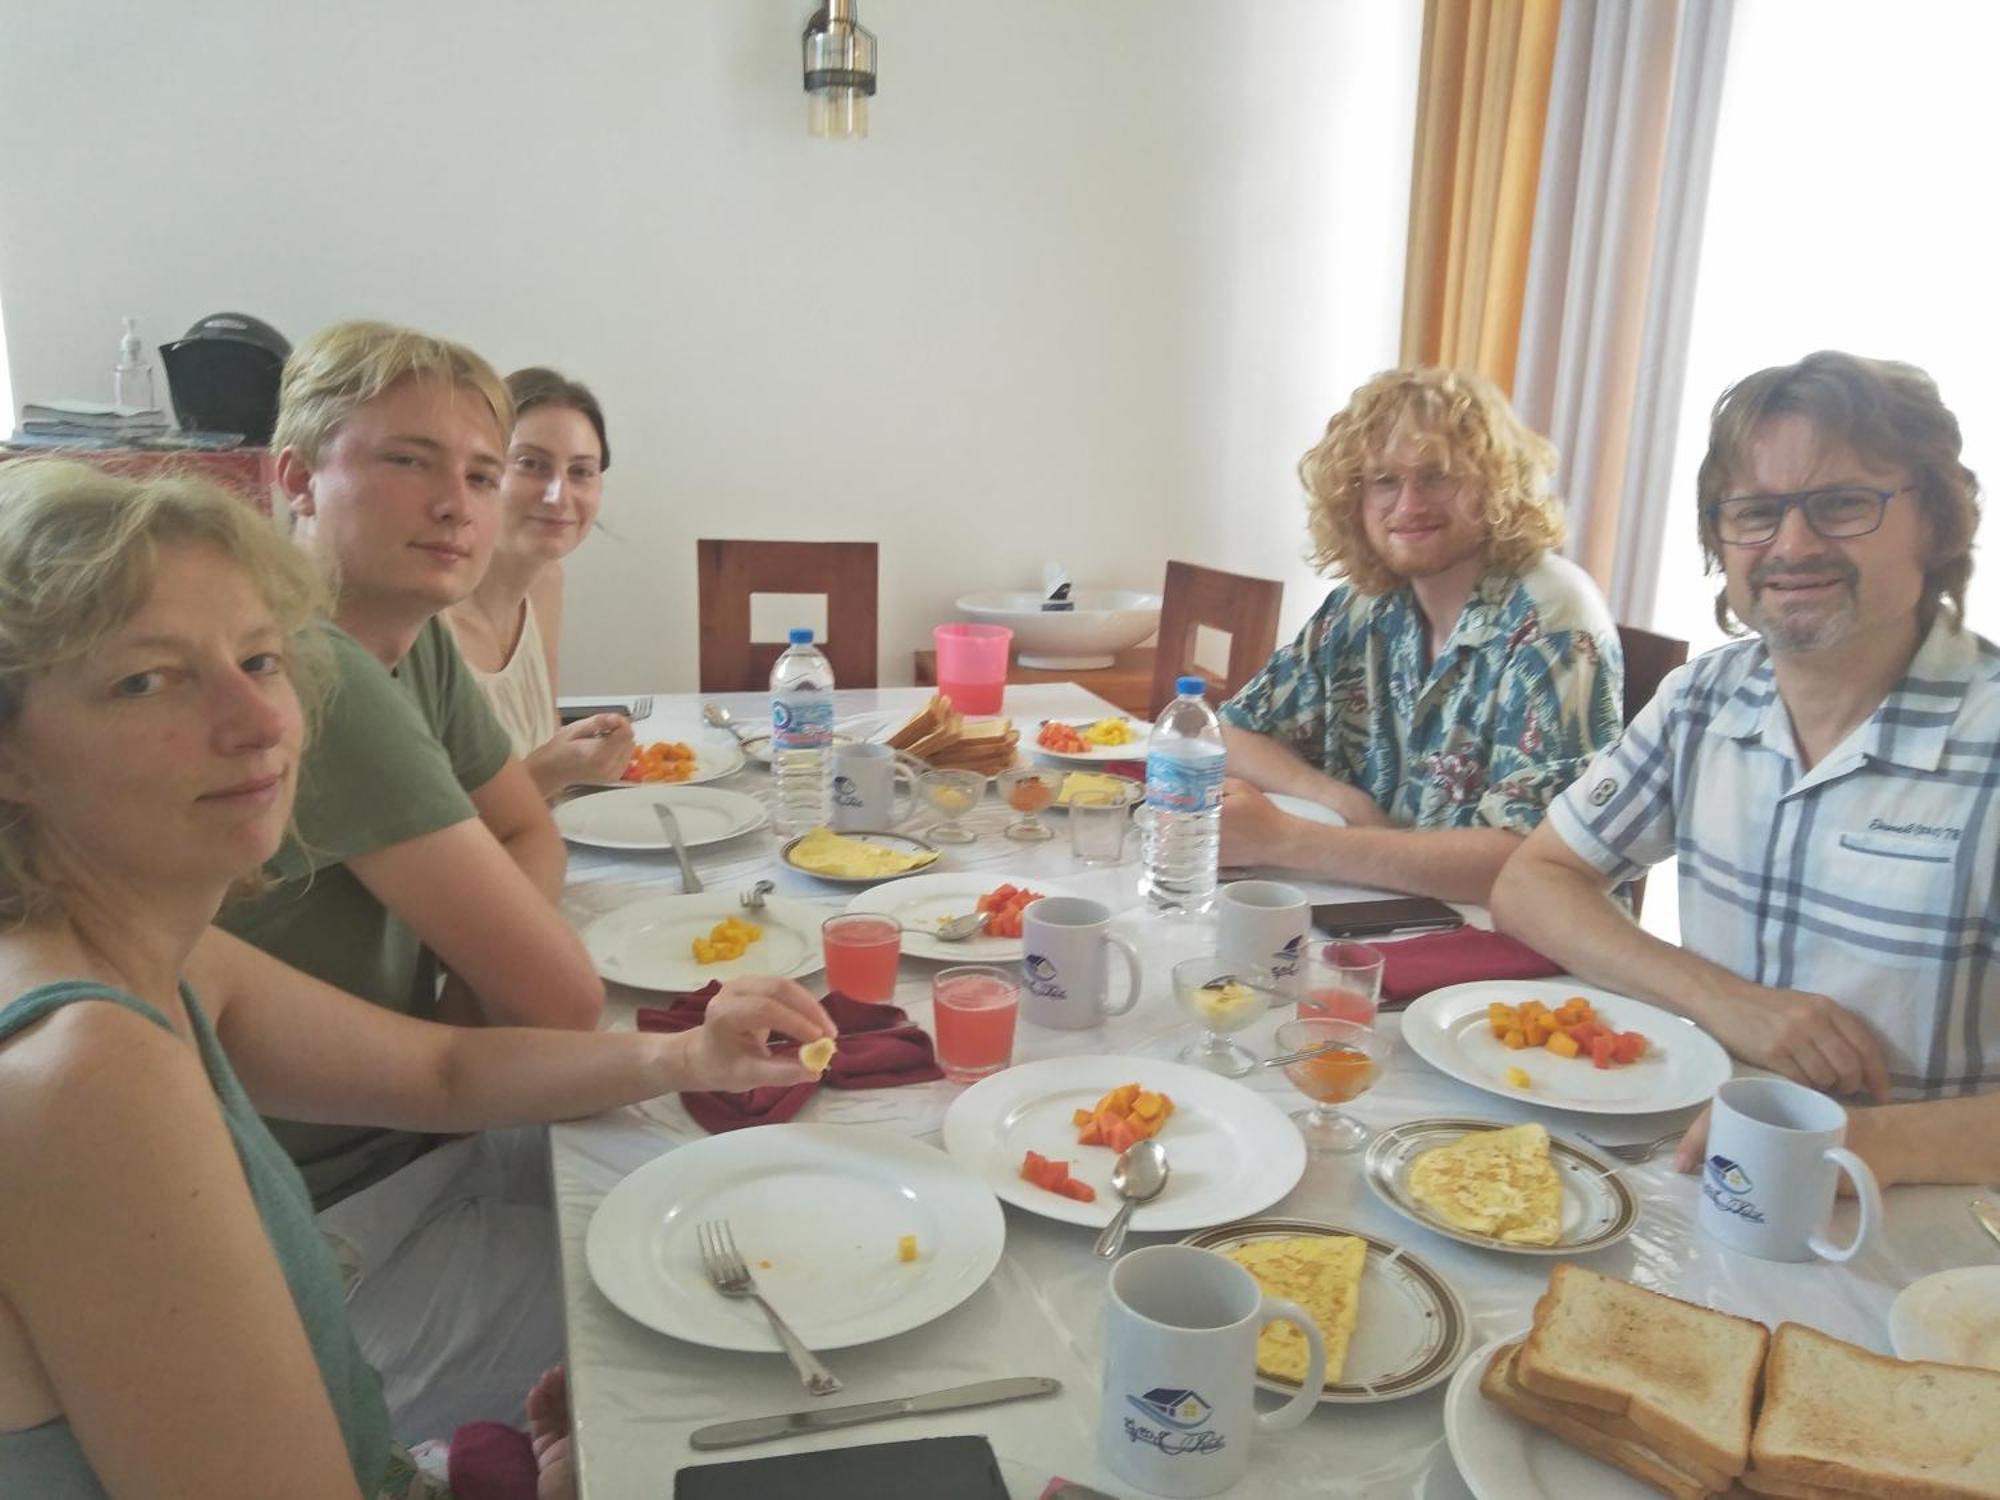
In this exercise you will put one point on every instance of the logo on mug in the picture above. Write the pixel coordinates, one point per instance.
(1042, 978)
(844, 792)
(1181, 1414)
(1725, 1187)
(1285, 963)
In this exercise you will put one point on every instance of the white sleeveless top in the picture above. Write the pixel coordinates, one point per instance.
(522, 697)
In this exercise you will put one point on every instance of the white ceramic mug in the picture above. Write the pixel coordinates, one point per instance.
(1066, 944)
(1263, 924)
(864, 788)
(1768, 1175)
(1180, 1365)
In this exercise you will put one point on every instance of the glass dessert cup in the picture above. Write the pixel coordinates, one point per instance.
(1342, 1073)
(951, 795)
(1222, 998)
(1029, 789)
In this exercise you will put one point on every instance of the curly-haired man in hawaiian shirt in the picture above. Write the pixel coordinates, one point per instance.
(1455, 680)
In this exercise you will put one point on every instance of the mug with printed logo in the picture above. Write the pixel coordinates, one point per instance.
(864, 788)
(1769, 1173)
(1263, 924)
(1180, 1367)
(1066, 944)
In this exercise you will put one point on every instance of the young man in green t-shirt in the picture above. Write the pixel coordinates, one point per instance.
(422, 852)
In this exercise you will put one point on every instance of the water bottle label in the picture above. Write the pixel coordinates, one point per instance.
(1178, 785)
(801, 723)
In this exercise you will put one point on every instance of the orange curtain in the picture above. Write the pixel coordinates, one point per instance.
(1483, 102)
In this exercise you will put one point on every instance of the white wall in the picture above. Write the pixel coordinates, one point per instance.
(1094, 283)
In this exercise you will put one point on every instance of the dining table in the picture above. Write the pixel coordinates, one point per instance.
(637, 1394)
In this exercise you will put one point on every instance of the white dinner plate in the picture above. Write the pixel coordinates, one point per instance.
(1683, 1065)
(650, 943)
(1952, 1317)
(902, 843)
(816, 1211)
(1232, 1151)
(1500, 1457)
(1410, 1329)
(1132, 749)
(918, 901)
(1312, 812)
(623, 818)
(1134, 787)
(1598, 1209)
(862, 727)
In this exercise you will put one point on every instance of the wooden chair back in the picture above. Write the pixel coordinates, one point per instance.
(1247, 608)
(729, 572)
(1648, 659)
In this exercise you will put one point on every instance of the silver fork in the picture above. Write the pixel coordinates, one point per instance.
(1635, 1151)
(642, 706)
(725, 1268)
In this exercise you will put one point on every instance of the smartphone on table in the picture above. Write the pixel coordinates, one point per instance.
(1359, 919)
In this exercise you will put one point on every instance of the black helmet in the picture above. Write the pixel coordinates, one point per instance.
(224, 375)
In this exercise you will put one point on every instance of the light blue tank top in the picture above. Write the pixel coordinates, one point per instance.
(46, 1461)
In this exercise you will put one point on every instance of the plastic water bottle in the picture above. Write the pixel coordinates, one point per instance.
(1183, 822)
(801, 737)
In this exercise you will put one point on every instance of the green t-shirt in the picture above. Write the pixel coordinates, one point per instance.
(393, 757)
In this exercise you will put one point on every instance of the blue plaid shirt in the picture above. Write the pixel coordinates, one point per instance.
(1870, 878)
(1527, 688)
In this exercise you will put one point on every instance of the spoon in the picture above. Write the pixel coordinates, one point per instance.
(753, 899)
(1139, 1174)
(715, 715)
(955, 929)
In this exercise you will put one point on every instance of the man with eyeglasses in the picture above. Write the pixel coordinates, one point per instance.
(1458, 677)
(1831, 788)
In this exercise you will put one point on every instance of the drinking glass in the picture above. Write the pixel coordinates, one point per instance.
(1213, 991)
(973, 1009)
(1029, 789)
(1342, 981)
(951, 795)
(1097, 823)
(1336, 1076)
(972, 665)
(862, 951)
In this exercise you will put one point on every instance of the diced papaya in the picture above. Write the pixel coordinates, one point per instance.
(1090, 1135)
(1600, 1048)
(1628, 1047)
(1537, 1032)
(1082, 1192)
(1080, 1117)
(1147, 1107)
(1122, 1097)
(1562, 1043)
(1121, 1136)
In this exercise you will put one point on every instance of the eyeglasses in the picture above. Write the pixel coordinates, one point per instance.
(1431, 484)
(1846, 510)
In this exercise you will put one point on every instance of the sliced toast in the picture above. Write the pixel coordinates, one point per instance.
(1573, 1426)
(1840, 1416)
(1754, 1484)
(1685, 1376)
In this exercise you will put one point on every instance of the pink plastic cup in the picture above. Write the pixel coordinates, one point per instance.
(972, 665)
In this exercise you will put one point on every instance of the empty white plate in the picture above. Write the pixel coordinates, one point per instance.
(623, 818)
(1952, 1317)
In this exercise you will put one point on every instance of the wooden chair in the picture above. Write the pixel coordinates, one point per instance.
(728, 573)
(1194, 596)
(1648, 659)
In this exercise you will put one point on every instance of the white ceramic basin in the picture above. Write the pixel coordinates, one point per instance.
(1104, 622)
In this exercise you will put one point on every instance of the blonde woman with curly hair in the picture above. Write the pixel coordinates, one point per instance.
(1458, 676)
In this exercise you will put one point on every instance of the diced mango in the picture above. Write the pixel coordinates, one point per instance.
(1562, 1044)
(906, 1248)
(1517, 1078)
(1514, 1040)
(1148, 1107)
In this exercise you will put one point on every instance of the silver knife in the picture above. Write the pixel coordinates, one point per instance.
(820, 1418)
(1986, 1216)
(670, 825)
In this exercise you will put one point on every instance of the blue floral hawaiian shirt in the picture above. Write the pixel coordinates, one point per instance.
(1526, 690)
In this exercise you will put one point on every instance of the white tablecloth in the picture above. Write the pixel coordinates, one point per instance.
(637, 1394)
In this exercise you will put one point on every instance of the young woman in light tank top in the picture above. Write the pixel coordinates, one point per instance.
(171, 1321)
(509, 629)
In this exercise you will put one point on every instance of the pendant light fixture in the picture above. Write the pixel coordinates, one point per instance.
(840, 72)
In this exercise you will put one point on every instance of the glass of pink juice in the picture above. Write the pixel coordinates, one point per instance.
(862, 951)
(1341, 981)
(973, 1009)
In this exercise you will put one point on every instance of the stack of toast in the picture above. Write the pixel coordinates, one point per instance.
(1698, 1403)
(943, 739)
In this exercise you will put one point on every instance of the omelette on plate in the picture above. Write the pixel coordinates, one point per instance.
(1498, 1183)
(824, 852)
(1322, 1273)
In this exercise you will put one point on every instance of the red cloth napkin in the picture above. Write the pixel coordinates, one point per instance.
(1416, 966)
(879, 1049)
(491, 1461)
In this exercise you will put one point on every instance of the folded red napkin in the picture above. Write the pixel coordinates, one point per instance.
(879, 1049)
(491, 1461)
(1416, 966)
